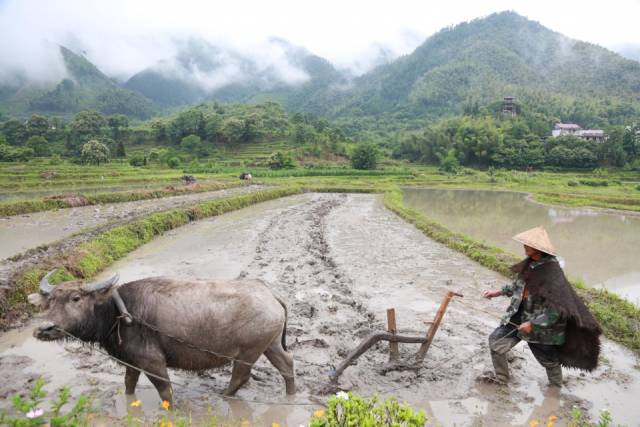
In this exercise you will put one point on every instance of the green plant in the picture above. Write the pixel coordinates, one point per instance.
(30, 411)
(281, 160)
(350, 410)
(573, 183)
(173, 162)
(580, 419)
(138, 160)
(365, 156)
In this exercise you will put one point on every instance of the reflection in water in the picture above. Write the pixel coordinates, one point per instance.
(598, 247)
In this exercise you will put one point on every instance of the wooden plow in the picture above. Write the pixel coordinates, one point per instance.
(393, 338)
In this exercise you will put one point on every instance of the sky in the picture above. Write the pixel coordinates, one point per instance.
(123, 37)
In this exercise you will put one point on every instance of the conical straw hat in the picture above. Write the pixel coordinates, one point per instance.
(536, 238)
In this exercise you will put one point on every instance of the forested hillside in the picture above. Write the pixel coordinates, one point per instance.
(86, 87)
(476, 63)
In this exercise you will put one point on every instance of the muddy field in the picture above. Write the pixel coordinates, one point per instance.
(339, 261)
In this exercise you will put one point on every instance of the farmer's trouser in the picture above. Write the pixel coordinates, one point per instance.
(504, 338)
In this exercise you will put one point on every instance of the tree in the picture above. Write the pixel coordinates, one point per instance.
(159, 131)
(85, 126)
(281, 160)
(193, 144)
(15, 132)
(118, 124)
(365, 156)
(39, 145)
(37, 125)
(94, 153)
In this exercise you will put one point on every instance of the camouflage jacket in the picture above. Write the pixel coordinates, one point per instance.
(548, 326)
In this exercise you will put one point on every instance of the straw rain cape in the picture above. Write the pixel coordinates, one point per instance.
(582, 336)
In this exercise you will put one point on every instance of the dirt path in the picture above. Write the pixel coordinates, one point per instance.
(339, 261)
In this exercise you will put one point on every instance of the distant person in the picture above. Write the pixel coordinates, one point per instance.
(546, 312)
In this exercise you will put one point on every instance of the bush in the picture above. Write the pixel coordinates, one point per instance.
(365, 156)
(138, 160)
(450, 164)
(173, 162)
(573, 183)
(594, 182)
(281, 160)
(348, 409)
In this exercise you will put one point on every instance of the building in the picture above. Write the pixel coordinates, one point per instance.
(509, 107)
(575, 130)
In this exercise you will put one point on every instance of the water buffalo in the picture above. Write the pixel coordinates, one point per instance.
(241, 319)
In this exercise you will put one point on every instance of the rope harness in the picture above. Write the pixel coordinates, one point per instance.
(127, 318)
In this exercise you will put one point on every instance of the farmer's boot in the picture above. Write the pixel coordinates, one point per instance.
(555, 376)
(501, 367)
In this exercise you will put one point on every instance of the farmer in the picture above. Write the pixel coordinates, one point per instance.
(545, 312)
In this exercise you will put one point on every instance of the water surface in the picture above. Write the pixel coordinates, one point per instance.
(599, 247)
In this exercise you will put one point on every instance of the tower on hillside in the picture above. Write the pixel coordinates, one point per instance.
(508, 107)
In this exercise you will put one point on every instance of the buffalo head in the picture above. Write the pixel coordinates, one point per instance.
(71, 306)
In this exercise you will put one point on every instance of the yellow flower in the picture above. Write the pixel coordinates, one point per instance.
(245, 423)
(319, 413)
(552, 418)
(533, 423)
(136, 403)
(165, 423)
(166, 405)
(275, 425)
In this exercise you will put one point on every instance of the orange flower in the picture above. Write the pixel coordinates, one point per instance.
(552, 418)
(165, 404)
(533, 423)
(136, 403)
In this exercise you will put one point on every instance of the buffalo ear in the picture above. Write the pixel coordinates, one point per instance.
(36, 299)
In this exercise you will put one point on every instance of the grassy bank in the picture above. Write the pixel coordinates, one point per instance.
(45, 204)
(619, 318)
(93, 256)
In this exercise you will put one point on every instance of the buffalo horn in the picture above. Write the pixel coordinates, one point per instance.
(45, 286)
(92, 287)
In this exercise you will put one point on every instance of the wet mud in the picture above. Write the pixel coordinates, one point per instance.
(339, 261)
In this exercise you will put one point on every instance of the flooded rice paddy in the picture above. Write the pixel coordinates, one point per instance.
(599, 247)
(339, 261)
(22, 232)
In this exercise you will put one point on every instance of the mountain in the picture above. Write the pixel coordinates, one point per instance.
(201, 71)
(85, 87)
(485, 59)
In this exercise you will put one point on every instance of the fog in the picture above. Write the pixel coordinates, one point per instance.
(123, 37)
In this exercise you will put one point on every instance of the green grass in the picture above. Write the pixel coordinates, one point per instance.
(44, 204)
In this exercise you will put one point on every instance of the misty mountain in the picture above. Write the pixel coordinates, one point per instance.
(85, 87)
(201, 71)
(482, 60)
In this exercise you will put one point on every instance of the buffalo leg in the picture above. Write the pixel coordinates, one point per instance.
(163, 386)
(283, 362)
(239, 375)
(131, 380)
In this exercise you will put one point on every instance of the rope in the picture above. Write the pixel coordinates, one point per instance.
(231, 358)
(173, 382)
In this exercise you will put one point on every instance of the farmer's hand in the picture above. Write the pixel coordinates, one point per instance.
(526, 327)
(491, 294)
